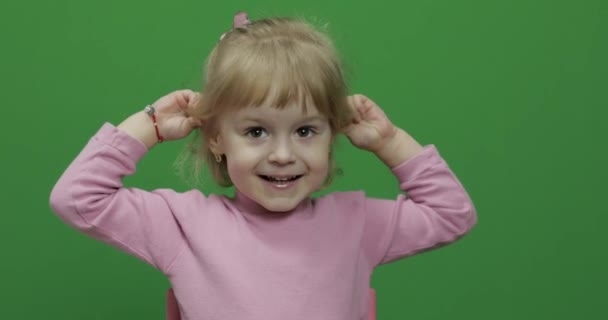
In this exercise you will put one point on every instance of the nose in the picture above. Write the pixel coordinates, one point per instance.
(282, 152)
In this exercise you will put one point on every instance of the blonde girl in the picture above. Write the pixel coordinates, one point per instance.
(273, 102)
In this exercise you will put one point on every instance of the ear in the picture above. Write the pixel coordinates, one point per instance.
(215, 145)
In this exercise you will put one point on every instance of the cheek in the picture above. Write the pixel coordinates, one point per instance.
(318, 158)
(238, 172)
(241, 160)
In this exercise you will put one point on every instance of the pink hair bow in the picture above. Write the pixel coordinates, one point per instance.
(240, 20)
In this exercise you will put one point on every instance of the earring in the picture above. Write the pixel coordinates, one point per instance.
(218, 158)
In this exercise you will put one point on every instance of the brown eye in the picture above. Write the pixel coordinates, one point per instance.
(255, 132)
(305, 132)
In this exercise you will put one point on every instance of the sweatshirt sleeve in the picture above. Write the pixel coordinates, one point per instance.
(90, 197)
(436, 211)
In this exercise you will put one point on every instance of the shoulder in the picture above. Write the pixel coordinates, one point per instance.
(192, 199)
(358, 202)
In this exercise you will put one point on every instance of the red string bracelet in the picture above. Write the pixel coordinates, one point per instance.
(151, 112)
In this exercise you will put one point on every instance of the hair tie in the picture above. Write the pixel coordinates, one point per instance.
(240, 20)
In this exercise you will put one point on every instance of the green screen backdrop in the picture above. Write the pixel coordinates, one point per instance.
(512, 93)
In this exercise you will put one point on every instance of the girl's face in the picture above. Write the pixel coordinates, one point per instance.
(276, 157)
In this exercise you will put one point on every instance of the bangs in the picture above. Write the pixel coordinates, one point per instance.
(275, 73)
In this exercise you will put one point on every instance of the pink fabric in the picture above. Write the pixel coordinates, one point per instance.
(172, 308)
(227, 258)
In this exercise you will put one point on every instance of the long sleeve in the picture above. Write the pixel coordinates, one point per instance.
(90, 197)
(436, 211)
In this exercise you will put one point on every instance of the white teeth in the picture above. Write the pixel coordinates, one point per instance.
(281, 179)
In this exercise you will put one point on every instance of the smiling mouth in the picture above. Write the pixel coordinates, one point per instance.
(287, 179)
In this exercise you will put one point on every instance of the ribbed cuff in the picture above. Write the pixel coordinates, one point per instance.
(112, 136)
(408, 170)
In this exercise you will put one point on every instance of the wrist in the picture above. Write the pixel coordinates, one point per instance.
(140, 127)
(398, 149)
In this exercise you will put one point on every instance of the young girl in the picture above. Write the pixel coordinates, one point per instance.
(274, 101)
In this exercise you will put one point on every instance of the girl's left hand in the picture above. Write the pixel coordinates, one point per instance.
(370, 128)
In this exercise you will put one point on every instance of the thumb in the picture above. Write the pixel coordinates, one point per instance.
(347, 130)
(194, 122)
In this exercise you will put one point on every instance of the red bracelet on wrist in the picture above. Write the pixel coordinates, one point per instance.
(151, 112)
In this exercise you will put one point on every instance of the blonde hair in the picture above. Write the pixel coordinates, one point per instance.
(273, 61)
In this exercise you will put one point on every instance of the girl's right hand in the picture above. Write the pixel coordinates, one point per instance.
(173, 117)
(173, 114)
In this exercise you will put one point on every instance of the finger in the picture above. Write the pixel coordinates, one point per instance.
(183, 97)
(364, 99)
(194, 99)
(191, 95)
(361, 107)
(185, 92)
(353, 105)
(364, 104)
(181, 101)
(369, 110)
(346, 130)
(194, 122)
(369, 103)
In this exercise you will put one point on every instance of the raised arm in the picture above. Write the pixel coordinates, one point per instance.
(437, 210)
(90, 195)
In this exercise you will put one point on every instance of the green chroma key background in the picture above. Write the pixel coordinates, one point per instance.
(512, 93)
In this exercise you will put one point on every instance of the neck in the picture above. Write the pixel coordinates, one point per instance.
(248, 205)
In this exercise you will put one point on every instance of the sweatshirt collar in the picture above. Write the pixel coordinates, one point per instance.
(248, 206)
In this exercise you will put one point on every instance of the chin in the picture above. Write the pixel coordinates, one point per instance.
(280, 207)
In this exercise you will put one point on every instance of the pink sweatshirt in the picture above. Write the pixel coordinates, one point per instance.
(229, 259)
